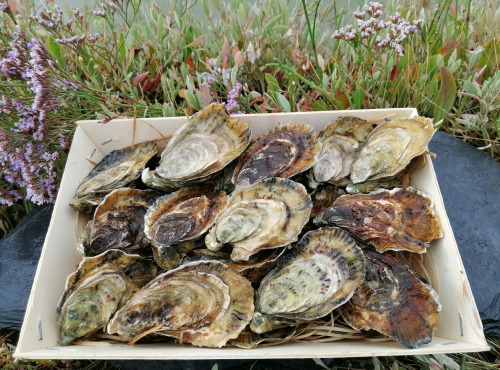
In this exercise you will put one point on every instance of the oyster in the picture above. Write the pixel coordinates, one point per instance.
(248, 339)
(177, 218)
(203, 303)
(119, 222)
(397, 219)
(324, 198)
(115, 170)
(394, 302)
(209, 141)
(320, 274)
(282, 152)
(340, 141)
(100, 285)
(254, 269)
(268, 214)
(368, 186)
(390, 147)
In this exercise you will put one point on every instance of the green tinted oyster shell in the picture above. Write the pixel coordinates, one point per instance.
(177, 218)
(100, 285)
(320, 274)
(203, 303)
(208, 142)
(268, 214)
(116, 170)
(390, 147)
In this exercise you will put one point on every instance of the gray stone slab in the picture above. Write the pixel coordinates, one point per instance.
(470, 184)
(19, 254)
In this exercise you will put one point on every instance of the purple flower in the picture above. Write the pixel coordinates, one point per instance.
(4, 6)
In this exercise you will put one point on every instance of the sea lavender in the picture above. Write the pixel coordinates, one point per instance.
(217, 81)
(399, 28)
(29, 152)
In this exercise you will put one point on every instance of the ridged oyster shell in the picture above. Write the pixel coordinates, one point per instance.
(203, 303)
(114, 171)
(118, 222)
(321, 273)
(340, 141)
(390, 147)
(100, 285)
(268, 214)
(282, 152)
(397, 219)
(394, 302)
(179, 217)
(209, 141)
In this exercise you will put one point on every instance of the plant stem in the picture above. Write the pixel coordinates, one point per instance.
(310, 29)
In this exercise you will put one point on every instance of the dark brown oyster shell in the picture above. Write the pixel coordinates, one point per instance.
(397, 219)
(178, 218)
(282, 152)
(394, 302)
(119, 222)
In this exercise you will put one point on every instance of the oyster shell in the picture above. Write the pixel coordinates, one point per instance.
(268, 214)
(397, 219)
(115, 170)
(179, 217)
(254, 269)
(390, 148)
(320, 274)
(394, 302)
(323, 198)
(209, 141)
(119, 222)
(340, 141)
(203, 303)
(282, 152)
(94, 292)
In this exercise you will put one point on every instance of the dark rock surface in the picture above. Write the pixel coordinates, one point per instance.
(470, 184)
(19, 254)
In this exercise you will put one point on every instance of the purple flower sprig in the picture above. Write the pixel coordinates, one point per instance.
(399, 28)
(27, 166)
(218, 82)
(32, 138)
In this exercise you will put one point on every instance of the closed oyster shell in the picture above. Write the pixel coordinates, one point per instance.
(320, 274)
(268, 214)
(340, 141)
(119, 222)
(394, 302)
(397, 219)
(390, 148)
(100, 285)
(179, 217)
(114, 171)
(203, 303)
(282, 152)
(209, 141)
